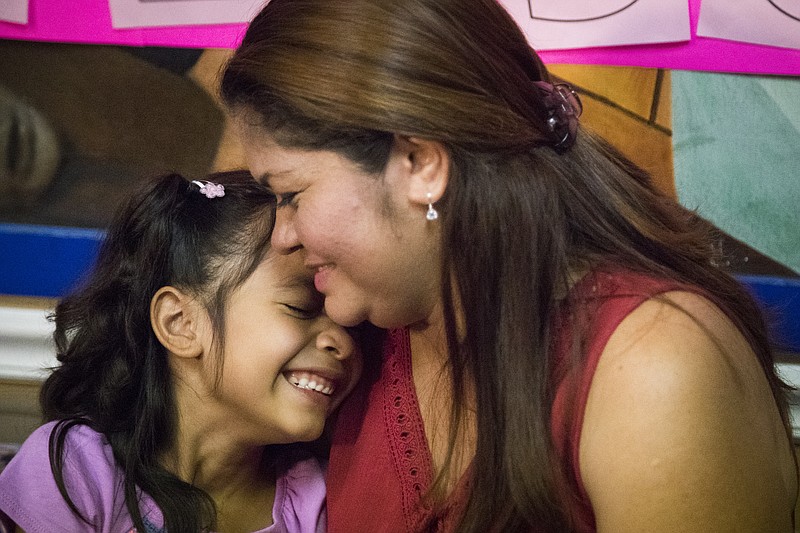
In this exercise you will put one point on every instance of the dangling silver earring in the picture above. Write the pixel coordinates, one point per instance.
(432, 213)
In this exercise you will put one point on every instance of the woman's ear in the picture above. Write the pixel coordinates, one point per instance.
(428, 166)
(175, 318)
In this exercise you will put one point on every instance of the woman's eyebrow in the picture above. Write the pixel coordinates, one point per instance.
(263, 179)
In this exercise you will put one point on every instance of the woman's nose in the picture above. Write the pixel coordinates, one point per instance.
(284, 236)
(336, 341)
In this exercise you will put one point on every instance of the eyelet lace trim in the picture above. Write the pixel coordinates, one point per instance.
(406, 431)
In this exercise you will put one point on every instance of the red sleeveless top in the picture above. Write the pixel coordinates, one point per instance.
(380, 463)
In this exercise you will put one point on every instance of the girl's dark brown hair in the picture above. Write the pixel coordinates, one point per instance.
(517, 217)
(114, 375)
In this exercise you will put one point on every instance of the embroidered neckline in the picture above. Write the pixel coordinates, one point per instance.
(410, 451)
(406, 432)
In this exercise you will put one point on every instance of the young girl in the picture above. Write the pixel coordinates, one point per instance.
(188, 361)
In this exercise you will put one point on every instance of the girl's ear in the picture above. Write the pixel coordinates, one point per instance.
(427, 165)
(175, 318)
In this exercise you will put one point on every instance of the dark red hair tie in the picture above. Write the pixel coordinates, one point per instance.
(563, 109)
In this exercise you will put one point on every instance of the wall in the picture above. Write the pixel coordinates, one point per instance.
(737, 144)
(26, 350)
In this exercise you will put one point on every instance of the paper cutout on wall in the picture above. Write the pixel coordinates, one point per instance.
(768, 22)
(576, 10)
(566, 24)
(15, 11)
(157, 13)
(89, 22)
(790, 10)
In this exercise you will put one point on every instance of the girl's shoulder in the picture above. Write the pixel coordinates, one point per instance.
(82, 446)
(30, 496)
(85, 450)
(300, 493)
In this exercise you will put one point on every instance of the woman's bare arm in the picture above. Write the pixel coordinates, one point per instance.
(681, 432)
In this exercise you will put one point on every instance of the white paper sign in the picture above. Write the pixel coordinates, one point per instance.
(564, 24)
(152, 13)
(768, 22)
(14, 11)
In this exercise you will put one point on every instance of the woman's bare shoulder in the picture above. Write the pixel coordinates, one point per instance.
(681, 431)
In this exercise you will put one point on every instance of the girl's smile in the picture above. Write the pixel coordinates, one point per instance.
(285, 364)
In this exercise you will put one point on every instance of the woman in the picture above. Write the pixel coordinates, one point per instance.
(563, 353)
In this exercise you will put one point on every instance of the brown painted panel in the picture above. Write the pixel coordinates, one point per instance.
(618, 103)
(663, 116)
(649, 147)
(628, 87)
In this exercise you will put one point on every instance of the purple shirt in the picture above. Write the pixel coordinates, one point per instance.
(29, 496)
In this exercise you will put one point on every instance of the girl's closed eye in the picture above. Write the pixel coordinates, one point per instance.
(304, 310)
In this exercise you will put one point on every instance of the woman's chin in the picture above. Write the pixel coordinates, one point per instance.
(345, 315)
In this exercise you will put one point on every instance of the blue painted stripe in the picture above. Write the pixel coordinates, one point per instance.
(45, 261)
(780, 299)
(48, 261)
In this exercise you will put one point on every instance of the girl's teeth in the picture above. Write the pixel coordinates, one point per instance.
(314, 383)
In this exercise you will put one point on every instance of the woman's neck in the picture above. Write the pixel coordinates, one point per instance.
(433, 382)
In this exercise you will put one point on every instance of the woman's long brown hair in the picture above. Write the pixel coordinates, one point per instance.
(346, 75)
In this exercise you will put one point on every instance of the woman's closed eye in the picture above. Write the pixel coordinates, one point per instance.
(287, 199)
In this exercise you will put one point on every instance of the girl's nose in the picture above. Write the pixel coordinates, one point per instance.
(284, 237)
(336, 341)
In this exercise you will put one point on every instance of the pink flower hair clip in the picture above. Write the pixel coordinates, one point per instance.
(210, 189)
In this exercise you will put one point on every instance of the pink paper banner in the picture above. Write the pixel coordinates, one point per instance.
(89, 22)
(700, 53)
